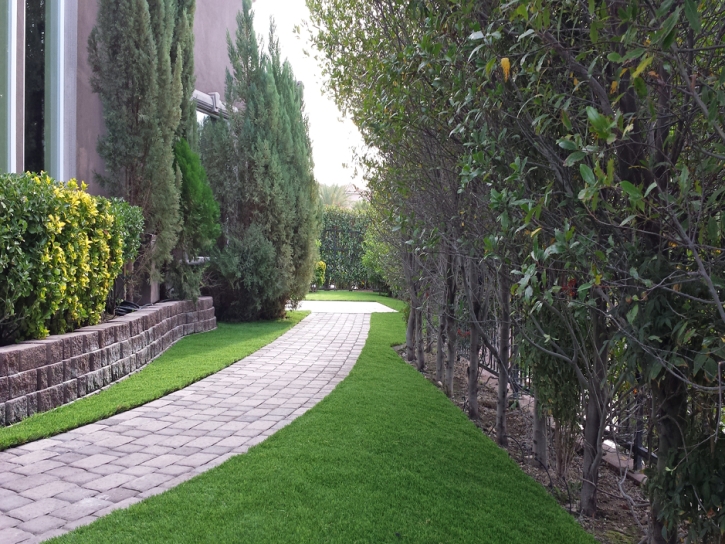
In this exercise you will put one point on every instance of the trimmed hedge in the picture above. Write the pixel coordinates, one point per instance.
(61, 250)
(341, 246)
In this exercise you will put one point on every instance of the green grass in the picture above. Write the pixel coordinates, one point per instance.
(189, 360)
(358, 296)
(385, 457)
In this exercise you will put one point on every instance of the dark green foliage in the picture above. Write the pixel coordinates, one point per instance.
(200, 223)
(130, 222)
(137, 53)
(260, 169)
(61, 250)
(341, 246)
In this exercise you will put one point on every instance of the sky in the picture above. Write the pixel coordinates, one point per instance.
(332, 135)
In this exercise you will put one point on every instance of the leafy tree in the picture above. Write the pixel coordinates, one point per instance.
(571, 151)
(334, 195)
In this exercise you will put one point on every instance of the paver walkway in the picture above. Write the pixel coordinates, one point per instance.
(341, 307)
(54, 485)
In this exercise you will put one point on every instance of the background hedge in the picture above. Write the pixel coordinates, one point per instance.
(341, 246)
(61, 250)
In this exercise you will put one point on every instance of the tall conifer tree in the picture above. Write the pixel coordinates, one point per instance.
(270, 223)
(137, 52)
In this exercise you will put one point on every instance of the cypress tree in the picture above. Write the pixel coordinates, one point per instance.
(270, 223)
(137, 53)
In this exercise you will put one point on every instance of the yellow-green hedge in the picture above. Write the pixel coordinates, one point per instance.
(61, 250)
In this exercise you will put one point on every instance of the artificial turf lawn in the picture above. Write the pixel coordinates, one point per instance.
(189, 360)
(357, 296)
(385, 457)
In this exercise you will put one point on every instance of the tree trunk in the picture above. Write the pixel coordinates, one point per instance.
(428, 328)
(597, 404)
(451, 355)
(410, 335)
(541, 450)
(473, 375)
(420, 340)
(671, 398)
(503, 352)
(439, 348)
(592, 454)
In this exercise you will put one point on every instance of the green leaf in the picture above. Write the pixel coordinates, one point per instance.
(632, 190)
(587, 174)
(575, 157)
(584, 287)
(565, 120)
(627, 220)
(614, 57)
(568, 145)
(666, 35)
(649, 189)
(632, 314)
(642, 66)
(640, 87)
(693, 16)
(634, 54)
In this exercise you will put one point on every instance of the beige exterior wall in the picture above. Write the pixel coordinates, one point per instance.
(213, 20)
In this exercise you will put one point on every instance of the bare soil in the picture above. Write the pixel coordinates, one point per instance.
(620, 519)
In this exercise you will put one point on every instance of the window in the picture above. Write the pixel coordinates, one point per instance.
(34, 85)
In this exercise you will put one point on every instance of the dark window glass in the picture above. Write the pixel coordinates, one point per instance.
(34, 85)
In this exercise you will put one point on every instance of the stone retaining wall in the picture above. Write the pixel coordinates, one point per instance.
(39, 375)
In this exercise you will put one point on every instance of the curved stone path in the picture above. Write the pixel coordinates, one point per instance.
(54, 485)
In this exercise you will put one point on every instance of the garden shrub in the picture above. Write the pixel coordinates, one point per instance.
(61, 249)
(320, 269)
(200, 224)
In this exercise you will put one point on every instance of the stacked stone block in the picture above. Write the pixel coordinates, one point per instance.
(40, 375)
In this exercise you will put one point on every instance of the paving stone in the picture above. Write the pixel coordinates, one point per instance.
(45, 491)
(14, 535)
(108, 482)
(41, 525)
(94, 461)
(117, 495)
(10, 502)
(7, 522)
(38, 468)
(163, 460)
(35, 509)
(82, 508)
(28, 482)
(76, 494)
(144, 483)
(71, 525)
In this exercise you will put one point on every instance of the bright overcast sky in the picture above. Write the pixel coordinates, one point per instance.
(332, 136)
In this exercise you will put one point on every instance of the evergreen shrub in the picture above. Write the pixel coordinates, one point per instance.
(200, 223)
(320, 269)
(61, 250)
